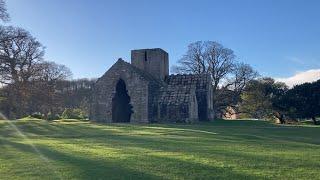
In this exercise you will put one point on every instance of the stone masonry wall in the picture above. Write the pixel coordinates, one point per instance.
(104, 91)
(201, 83)
(177, 104)
(153, 61)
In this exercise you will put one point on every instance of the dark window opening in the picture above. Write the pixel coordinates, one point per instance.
(145, 56)
(121, 107)
(202, 108)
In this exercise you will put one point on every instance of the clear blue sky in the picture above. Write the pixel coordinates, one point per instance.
(277, 37)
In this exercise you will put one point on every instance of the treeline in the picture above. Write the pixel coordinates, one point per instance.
(266, 99)
(30, 84)
(239, 90)
(46, 99)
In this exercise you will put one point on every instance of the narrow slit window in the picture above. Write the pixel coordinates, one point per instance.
(145, 56)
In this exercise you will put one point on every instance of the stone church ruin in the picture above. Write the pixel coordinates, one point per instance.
(144, 92)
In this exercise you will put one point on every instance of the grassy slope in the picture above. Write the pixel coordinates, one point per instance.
(222, 149)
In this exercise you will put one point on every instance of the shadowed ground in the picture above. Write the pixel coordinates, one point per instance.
(221, 150)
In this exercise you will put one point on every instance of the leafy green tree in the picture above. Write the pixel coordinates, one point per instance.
(303, 101)
(260, 99)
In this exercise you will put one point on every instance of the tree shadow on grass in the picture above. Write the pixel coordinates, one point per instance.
(167, 140)
(82, 166)
(168, 132)
(246, 159)
(45, 128)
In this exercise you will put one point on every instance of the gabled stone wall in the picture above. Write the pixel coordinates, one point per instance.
(104, 91)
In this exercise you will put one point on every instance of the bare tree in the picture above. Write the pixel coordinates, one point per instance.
(207, 57)
(19, 54)
(52, 72)
(44, 86)
(221, 62)
(194, 61)
(228, 77)
(4, 15)
(240, 77)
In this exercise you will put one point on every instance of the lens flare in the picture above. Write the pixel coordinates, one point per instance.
(29, 142)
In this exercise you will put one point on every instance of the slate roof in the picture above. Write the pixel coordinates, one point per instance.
(180, 89)
(188, 80)
(175, 95)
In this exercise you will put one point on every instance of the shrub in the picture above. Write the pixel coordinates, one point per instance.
(51, 116)
(37, 115)
(70, 113)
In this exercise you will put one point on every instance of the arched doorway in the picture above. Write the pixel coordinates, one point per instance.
(121, 107)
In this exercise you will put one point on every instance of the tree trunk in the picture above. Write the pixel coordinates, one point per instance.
(280, 117)
(314, 120)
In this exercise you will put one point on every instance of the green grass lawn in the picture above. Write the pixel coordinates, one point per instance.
(221, 150)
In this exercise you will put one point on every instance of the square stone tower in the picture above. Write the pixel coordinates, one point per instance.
(154, 61)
